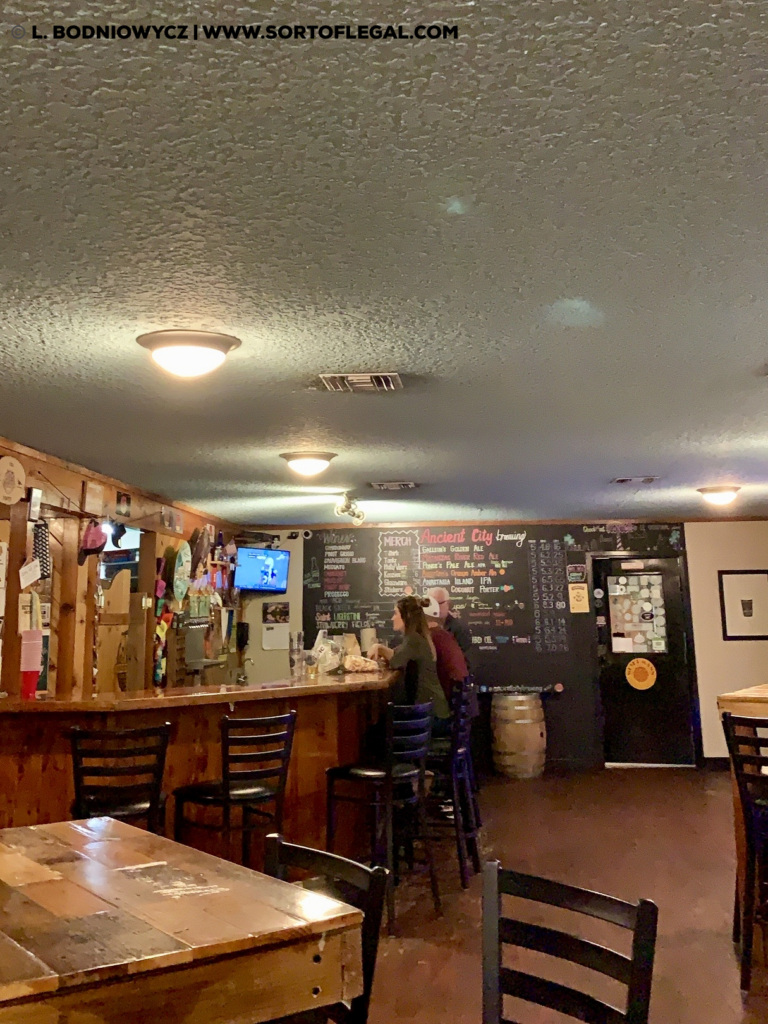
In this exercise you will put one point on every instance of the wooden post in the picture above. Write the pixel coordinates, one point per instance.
(65, 679)
(147, 573)
(10, 680)
(92, 583)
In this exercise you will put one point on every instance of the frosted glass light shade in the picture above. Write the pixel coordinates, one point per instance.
(308, 463)
(188, 353)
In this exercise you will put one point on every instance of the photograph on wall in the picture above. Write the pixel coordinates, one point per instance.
(744, 604)
(274, 612)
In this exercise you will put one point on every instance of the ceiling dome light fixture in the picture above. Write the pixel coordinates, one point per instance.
(719, 495)
(188, 353)
(308, 463)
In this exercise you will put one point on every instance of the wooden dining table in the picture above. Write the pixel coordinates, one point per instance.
(103, 923)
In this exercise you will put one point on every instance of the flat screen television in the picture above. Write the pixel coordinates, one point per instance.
(264, 569)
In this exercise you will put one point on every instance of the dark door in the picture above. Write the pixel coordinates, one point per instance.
(645, 680)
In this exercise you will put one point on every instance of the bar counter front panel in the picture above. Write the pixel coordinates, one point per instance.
(36, 784)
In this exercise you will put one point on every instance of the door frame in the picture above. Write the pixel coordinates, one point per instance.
(690, 654)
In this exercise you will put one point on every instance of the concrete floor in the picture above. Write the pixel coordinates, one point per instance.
(666, 835)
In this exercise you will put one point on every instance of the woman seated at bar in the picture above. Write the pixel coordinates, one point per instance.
(416, 659)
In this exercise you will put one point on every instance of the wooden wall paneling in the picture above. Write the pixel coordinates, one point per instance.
(10, 679)
(136, 650)
(81, 627)
(90, 613)
(56, 528)
(147, 573)
(70, 540)
(112, 636)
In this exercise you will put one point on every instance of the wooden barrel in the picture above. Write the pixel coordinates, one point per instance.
(519, 735)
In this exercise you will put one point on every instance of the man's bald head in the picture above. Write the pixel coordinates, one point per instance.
(443, 599)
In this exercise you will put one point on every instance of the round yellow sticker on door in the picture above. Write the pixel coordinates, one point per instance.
(641, 673)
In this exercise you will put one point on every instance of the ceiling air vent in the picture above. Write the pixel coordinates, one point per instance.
(393, 485)
(634, 480)
(361, 382)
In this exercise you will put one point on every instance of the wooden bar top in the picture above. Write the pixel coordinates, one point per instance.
(181, 696)
(752, 702)
(83, 903)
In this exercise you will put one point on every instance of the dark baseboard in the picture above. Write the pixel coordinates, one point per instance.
(715, 764)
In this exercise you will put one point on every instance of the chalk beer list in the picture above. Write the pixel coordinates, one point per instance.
(508, 587)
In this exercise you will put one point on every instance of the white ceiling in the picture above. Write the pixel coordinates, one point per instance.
(397, 206)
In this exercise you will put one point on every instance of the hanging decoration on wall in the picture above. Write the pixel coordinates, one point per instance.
(13, 480)
(641, 673)
(41, 549)
(182, 571)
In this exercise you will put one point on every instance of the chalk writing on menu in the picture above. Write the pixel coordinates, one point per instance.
(399, 563)
(548, 576)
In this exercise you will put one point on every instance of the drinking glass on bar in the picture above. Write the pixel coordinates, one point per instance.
(310, 661)
(296, 654)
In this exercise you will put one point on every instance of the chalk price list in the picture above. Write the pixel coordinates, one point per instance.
(548, 575)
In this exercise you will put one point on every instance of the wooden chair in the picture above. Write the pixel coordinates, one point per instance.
(749, 760)
(634, 971)
(118, 773)
(346, 880)
(255, 756)
(398, 785)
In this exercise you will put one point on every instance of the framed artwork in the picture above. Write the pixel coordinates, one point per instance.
(744, 603)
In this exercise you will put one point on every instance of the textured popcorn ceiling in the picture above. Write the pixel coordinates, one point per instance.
(556, 229)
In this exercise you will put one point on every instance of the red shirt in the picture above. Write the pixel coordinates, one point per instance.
(451, 665)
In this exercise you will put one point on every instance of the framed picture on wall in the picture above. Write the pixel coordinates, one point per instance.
(744, 603)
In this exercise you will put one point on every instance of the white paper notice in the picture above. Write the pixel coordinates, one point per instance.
(275, 637)
(29, 573)
(622, 645)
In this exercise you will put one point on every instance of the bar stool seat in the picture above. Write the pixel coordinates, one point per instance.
(213, 793)
(400, 772)
(94, 807)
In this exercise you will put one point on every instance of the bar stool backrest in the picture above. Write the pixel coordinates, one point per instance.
(409, 731)
(635, 971)
(339, 878)
(117, 768)
(749, 757)
(461, 715)
(257, 750)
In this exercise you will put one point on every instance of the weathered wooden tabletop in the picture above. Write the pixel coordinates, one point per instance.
(103, 923)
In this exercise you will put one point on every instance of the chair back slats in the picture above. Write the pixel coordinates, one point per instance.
(256, 749)
(498, 930)
(568, 897)
(566, 947)
(558, 997)
(750, 765)
(118, 767)
(364, 888)
(409, 731)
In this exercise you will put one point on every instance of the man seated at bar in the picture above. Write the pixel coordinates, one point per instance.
(450, 623)
(416, 659)
(451, 663)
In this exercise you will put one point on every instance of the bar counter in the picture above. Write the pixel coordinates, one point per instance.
(36, 784)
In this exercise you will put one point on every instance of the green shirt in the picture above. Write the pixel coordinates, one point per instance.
(416, 648)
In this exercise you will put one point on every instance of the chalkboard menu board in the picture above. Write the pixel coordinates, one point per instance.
(509, 584)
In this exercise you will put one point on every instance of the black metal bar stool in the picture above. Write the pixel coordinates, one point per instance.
(749, 758)
(450, 761)
(118, 773)
(398, 797)
(255, 756)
